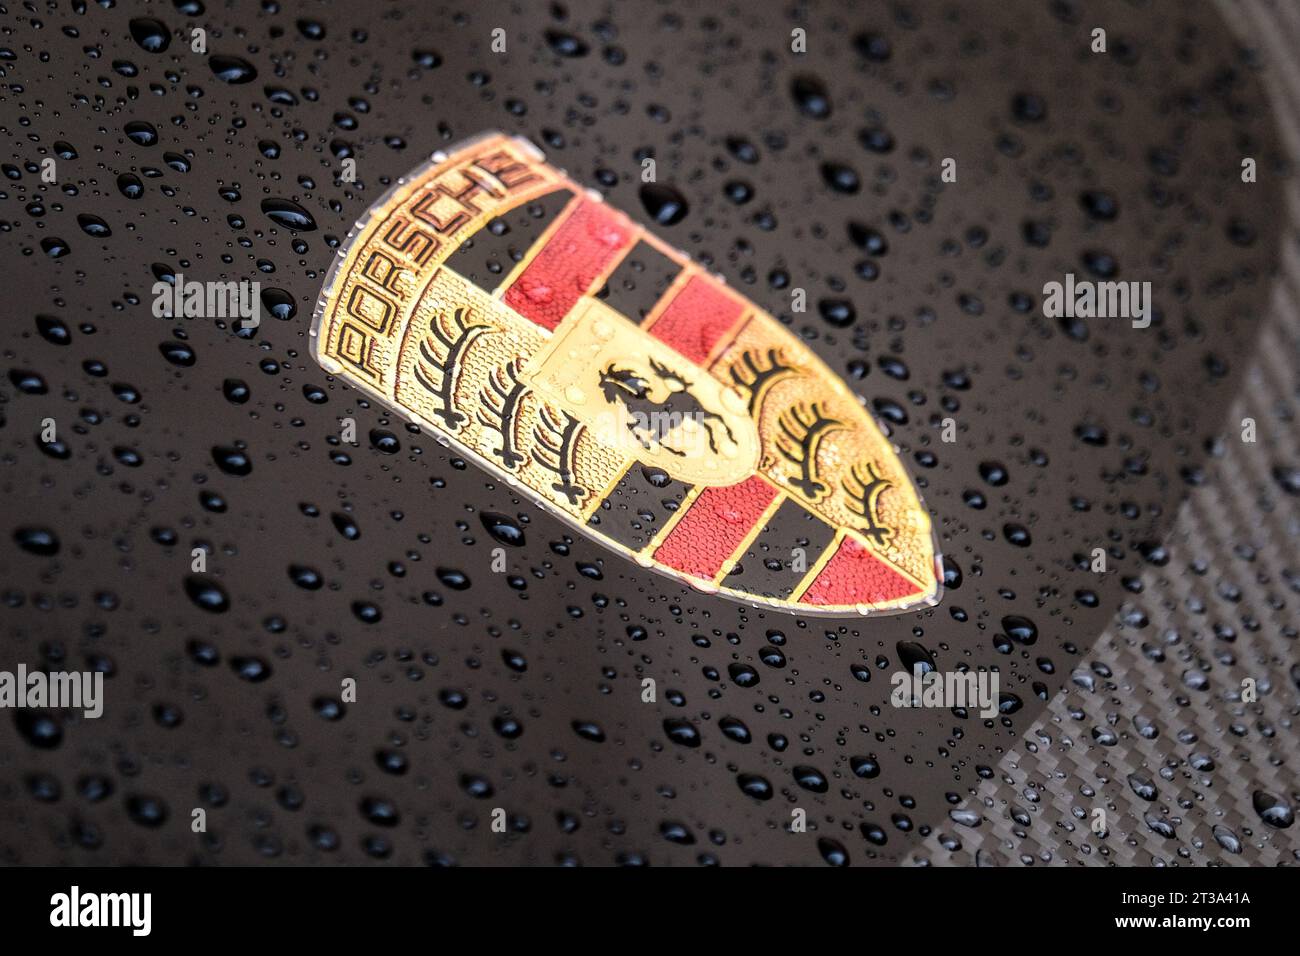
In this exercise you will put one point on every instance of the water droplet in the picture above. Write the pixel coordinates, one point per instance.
(665, 205)
(150, 35)
(232, 69)
(289, 214)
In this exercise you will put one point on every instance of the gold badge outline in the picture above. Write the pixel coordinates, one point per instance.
(550, 178)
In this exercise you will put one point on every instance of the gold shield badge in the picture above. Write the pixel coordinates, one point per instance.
(566, 350)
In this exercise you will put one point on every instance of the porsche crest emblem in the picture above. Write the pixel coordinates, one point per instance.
(568, 351)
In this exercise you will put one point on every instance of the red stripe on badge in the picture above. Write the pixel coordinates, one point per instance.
(699, 315)
(714, 526)
(855, 575)
(568, 265)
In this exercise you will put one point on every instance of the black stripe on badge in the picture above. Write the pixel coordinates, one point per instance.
(488, 256)
(639, 506)
(768, 567)
(639, 281)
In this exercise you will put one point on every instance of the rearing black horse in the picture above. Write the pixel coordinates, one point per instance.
(656, 420)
